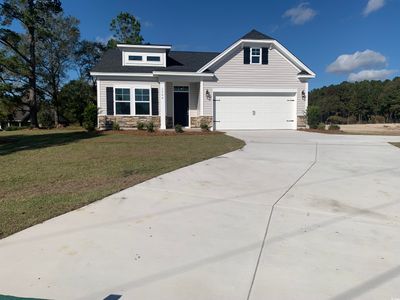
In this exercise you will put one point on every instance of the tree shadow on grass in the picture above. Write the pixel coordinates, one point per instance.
(23, 142)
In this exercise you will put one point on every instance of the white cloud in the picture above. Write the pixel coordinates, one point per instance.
(373, 5)
(300, 14)
(348, 63)
(371, 75)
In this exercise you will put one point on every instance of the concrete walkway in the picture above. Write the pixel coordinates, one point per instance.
(293, 215)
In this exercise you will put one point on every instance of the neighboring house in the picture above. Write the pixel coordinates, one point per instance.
(255, 83)
(19, 117)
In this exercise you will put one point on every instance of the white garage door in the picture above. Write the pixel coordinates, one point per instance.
(238, 111)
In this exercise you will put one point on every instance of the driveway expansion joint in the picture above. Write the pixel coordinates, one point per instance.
(270, 217)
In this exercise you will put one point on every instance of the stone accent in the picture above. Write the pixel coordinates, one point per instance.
(195, 122)
(301, 122)
(127, 122)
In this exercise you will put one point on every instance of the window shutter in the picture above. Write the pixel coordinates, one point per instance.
(110, 101)
(265, 56)
(154, 102)
(246, 55)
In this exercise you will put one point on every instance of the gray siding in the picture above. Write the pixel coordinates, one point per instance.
(231, 72)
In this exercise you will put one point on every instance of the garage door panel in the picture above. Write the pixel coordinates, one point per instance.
(255, 112)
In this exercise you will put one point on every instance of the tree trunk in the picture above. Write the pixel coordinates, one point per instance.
(32, 77)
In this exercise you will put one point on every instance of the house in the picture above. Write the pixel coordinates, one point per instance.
(256, 83)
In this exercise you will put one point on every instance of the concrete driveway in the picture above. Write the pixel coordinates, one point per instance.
(293, 215)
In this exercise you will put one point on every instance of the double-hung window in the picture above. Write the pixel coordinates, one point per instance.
(142, 101)
(122, 101)
(255, 55)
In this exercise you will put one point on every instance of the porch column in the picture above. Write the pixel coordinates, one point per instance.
(163, 105)
(201, 98)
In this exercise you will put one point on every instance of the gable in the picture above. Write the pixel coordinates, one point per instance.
(272, 44)
(231, 70)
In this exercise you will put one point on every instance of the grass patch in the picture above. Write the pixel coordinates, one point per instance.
(395, 144)
(45, 173)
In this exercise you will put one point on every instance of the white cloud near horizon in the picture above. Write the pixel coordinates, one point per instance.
(349, 63)
(371, 75)
(373, 5)
(300, 14)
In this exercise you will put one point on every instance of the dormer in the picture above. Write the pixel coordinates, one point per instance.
(144, 55)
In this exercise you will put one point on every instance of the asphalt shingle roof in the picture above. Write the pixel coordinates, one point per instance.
(177, 61)
(256, 35)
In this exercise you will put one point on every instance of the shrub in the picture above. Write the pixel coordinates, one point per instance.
(115, 126)
(313, 116)
(90, 117)
(14, 128)
(45, 119)
(321, 126)
(204, 126)
(178, 128)
(334, 127)
(351, 120)
(377, 119)
(150, 127)
(337, 120)
(141, 126)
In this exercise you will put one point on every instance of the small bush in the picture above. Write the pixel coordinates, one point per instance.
(178, 128)
(204, 126)
(377, 119)
(351, 120)
(15, 128)
(115, 126)
(337, 120)
(150, 127)
(313, 116)
(45, 119)
(333, 127)
(141, 126)
(90, 117)
(321, 126)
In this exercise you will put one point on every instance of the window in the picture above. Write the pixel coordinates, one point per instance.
(153, 58)
(122, 101)
(142, 101)
(255, 55)
(181, 89)
(135, 57)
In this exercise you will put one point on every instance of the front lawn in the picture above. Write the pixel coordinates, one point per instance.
(48, 173)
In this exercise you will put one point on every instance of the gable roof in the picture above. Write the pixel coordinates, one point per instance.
(256, 35)
(177, 61)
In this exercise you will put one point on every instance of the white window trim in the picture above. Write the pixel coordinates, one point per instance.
(259, 56)
(144, 61)
(150, 101)
(133, 100)
(115, 100)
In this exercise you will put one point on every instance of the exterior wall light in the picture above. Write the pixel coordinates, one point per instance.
(303, 95)
(208, 95)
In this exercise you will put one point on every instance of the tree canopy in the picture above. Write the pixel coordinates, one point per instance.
(365, 101)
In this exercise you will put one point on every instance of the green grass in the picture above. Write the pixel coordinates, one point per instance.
(396, 144)
(48, 173)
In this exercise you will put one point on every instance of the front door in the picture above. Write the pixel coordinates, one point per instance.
(181, 106)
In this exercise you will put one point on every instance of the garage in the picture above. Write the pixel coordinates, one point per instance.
(245, 110)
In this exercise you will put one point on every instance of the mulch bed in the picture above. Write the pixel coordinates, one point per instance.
(323, 131)
(160, 132)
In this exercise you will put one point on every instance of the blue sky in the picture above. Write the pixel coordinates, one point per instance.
(317, 32)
